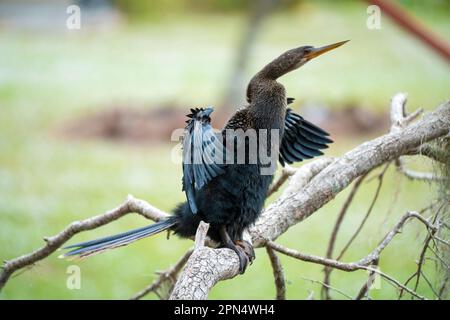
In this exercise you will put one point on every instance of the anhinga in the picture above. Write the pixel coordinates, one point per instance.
(230, 196)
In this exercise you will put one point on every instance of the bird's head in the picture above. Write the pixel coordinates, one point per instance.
(294, 59)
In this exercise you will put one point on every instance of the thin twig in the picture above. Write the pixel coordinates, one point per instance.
(310, 295)
(429, 238)
(415, 175)
(429, 284)
(278, 274)
(286, 172)
(168, 275)
(131, 205)
(443, 287)
(395, 282)
(328, 287)
(369, 211)
(419, 266)
(364, 263)
(363, 292)
(337, 225)
(441, 260)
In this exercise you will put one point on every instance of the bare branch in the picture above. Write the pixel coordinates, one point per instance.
(312, 186)
(424, 251)
(327, 286)
(365, 263)
(328, 271)
(439, 258)
(412, 174)
(444, 242)
(325, 185)
(395, 282)
(286, 172)
(278, 274)
(399, 116)
(201, 274)
(364, 291)
(200, 236)
(375, 254)
(399, 120)
(131, 205)
(145, 209)
(433, 229)
(349, 267)
(372, 204)
(444, 285)
(337, 225)
(342, 215)
(169, 275)
(429, 284)
(303, 175)
(313, 258)
(310, 295)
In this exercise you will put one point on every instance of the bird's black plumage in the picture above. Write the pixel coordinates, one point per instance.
(230, 195)
(301, 139)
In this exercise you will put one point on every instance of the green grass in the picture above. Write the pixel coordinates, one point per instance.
(46, 182)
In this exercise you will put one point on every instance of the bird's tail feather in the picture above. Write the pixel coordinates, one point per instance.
(92, 247)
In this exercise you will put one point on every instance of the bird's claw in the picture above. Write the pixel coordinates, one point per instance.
(243, 259)
(248, 249)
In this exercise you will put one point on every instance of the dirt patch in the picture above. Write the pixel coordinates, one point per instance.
(137, 125)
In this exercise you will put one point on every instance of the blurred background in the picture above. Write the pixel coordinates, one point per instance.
(86, 117)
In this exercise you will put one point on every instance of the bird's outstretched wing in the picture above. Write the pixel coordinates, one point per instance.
(202, 154)
(301, 139)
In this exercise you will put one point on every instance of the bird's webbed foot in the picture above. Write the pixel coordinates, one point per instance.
(244, 258)
(248, 249)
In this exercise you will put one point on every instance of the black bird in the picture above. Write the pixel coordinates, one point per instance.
(227, 194)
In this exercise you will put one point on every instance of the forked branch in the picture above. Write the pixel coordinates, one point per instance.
(309, 188)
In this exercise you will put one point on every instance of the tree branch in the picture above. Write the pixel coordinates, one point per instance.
(333, 238)
(312, 186)
(364, 291)
(286, 172)
(366, 216)
(320, 181)
(412, 174)
(327, 183)
(399, 120)
(329, 287)
(278, 274)
(201, 274)
(365, 263)
(131, 205)
(168, 275)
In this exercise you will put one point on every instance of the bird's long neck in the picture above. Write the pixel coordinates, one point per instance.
(263, 87)
(266, 96)
(276, 68)
(267, 101)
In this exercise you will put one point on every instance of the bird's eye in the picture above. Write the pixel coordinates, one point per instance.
(307, 50)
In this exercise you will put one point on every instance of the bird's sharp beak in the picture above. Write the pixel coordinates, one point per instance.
(321, 50)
